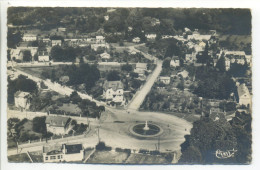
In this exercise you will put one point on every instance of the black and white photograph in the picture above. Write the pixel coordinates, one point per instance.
(129, 86)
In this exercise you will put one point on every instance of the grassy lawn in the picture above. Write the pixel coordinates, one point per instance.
(36, 156)
(108, 157)
(27, 127)
(19, 158)
(73, 108)
(146, 159)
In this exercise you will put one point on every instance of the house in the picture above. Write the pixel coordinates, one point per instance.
(33, 50)
(217, 115)
(248, 59)
(22, 100)
(165, 80)
(140, 68)
(43, 56)
(61, 29)
(227, 63)
(55, 42)
(29, 37)
(16, 54)
(96, 46)
(46, 40)
(106, 17)
(100, 39)
(184, 74)
(150, 36)
(113, 91)
(65, 152)
(175, 62)
(189, 58)
(105, 56)
(167, 36)
(244, 97)
(238, 57)
(108, 66)
(130, 28)
(198, 37)
(58, 125)
(136, 40)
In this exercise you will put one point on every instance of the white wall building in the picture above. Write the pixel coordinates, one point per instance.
(22, 100)
(55, 42)
(65, 152)
(244, 96)
(113, 91)
(29, 37)
(165, 80)
(43, 56)
(136, 40)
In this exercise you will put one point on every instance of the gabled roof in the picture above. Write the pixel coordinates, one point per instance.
(57, 121)
(115, 85)
(242, 90)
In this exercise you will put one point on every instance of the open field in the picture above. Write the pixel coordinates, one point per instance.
(108, 157)
(36, 71)
(146, 159)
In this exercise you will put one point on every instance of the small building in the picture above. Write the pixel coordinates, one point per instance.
(238, 57)
(29, 37)
(227, 63)
(130, 28)
(140, 68)
(16, 54)
(136, 40)
(175, 62)
(58, 125)
(244, 97)
(96, 46)
(113, 91)
(217, 115)
(61, 29)
(198, 37)
(150, 36)
(22, 100)
(106, 18)
(43, 56)
(184, 74)
(105, 56)
(63, 153)
(165, 79)
(189, 58)
(55, 42)
(100, 39)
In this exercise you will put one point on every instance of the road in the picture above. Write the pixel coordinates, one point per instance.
(140, 95)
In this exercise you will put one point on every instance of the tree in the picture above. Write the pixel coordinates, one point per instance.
(166, 63)
(113, 76)
(57, 53)
(127, 67)
(221, 65)
(75, 98)
(13, 39)
(27, 56)
(39, 125)
(206, 137)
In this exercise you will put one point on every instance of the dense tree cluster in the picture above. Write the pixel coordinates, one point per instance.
(208, 136)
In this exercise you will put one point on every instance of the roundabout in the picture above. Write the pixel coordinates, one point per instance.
(146, 130)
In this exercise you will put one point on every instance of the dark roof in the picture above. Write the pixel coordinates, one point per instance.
(76, 148)
(57, 121)
(115, 85)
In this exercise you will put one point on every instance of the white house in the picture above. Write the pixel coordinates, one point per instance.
(65, 152)
(16, 54)
(61, 29)
(150, 36)
(136, 40)
(236, 56)
(190, 57)
(106, 17)
(58, 125)
(55, 42)
(199, 37)
(22, 99)
(140, 68)
(113, 91)
(130, 28)
(227, 63)
(175, 62)
(96, 46)
(165, 79)
(100, 39)
(184, 74)
(43, 56)
(29, 37)
(244, 96)
(105, 56)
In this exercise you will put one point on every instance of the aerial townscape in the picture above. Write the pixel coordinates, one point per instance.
(129, 85)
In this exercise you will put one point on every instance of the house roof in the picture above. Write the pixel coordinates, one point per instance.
(21, 94)
(184, 73)
(105, 55)
(199, 37)
(235, 53)
(164, 78)
(71, 149)
(115, 85)
(57, 121)
(141, 65)
(242, 90)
